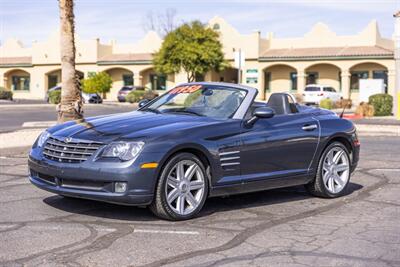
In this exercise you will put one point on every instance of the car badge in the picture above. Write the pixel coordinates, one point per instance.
(68, 139)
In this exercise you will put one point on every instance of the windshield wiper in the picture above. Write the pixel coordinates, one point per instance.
(152, 110)
(187, 111)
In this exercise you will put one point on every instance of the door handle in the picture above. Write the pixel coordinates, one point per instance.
(309, 127)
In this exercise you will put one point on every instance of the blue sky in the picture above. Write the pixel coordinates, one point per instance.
(122, 20)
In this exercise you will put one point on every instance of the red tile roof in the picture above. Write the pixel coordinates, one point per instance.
(127, 57)
(327, 52)
(15, 61)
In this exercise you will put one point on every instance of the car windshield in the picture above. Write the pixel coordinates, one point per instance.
(312, 89)
(198, 100)
(125, 88)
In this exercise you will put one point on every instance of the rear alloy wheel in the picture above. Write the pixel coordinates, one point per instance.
(182, 188)
(333, 173)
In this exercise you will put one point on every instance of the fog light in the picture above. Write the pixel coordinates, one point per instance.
(120, 187)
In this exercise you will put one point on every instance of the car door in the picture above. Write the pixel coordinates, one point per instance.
(281, 146)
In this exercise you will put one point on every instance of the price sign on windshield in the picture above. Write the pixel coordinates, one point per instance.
(186, 89)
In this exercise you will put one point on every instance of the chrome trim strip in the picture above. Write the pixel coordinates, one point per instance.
(69, 151)
(231, 158)
(62, 157)
(228, 153)
(58, 143)
(229, 164)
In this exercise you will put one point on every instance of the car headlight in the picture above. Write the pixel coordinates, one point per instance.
(43, 138)
(122, 150)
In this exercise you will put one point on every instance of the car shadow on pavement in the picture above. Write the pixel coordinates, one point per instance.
(213, 205)
(265, 198)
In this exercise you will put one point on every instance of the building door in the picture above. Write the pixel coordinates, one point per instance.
(158, 82)
(381, 74)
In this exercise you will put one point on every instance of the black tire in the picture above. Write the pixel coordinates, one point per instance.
(159, 206)
(317, 186)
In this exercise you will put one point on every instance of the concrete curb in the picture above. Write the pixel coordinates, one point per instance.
(19, 138)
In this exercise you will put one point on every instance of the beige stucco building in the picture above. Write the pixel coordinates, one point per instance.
(271, 64)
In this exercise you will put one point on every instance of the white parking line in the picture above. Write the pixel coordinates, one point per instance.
(165, 232)
(388, 170)
(73, 227)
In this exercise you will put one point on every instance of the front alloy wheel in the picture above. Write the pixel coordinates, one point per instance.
(182, 188)
(333, 172)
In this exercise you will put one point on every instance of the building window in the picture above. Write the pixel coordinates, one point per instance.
(293, 81)
(355, 79)
(52, 81)
(20, 83)
(158, 82)
(216, 26)
(267, 84)
(312, 78)
(381, 74)
(199, 77)
(128, 79)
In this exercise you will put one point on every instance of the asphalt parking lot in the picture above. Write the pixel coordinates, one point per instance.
(284, 227)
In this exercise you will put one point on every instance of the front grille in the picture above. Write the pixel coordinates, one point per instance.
(75, 151)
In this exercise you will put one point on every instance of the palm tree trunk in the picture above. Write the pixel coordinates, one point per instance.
(70, 107)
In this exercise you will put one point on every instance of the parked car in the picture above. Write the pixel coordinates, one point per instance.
(87, 98)
(124, 91)
(196, 141)
(93, 98)
(314, 93)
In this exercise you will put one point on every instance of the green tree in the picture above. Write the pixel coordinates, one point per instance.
(97, 83)
(193, 47)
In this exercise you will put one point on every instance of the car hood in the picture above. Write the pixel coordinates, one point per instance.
(131, 125)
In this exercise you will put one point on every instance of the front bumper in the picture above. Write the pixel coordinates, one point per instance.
(96, 180)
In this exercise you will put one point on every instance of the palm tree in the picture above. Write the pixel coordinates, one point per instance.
(70, 107)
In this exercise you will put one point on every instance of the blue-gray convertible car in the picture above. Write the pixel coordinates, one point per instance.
(196, 141)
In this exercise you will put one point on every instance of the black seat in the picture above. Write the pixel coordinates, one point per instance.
(282, 103)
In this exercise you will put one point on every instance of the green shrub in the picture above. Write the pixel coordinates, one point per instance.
(326, 103)
(55, 96)
(382, 103)
(4, 94)
(150, 94)
(135, 96)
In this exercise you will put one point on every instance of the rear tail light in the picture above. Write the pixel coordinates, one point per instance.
(321, 94)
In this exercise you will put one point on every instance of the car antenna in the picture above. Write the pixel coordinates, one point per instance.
(344, 108)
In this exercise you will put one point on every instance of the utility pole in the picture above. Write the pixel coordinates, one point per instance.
(396, 97)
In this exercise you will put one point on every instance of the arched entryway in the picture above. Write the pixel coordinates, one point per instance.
(368, 70)
(120, 77)
(324, 74)
(53, 78)
(17, 80)
(156, 81)
(279, 78)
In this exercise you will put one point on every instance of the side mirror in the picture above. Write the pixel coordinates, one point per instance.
(260, 113)
(143, 103)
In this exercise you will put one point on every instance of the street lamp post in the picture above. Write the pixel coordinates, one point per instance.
(396, 102)
(238, 63)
